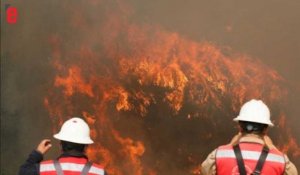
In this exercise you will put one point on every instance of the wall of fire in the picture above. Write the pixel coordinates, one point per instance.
(159, 82)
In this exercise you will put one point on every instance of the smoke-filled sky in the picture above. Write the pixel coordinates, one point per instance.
(267, 32)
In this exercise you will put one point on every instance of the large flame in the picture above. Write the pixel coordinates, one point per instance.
(153, 98)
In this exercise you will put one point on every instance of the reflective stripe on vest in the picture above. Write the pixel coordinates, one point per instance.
(250, 155)
(70, 167)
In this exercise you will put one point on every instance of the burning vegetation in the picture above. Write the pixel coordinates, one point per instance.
(157, 102)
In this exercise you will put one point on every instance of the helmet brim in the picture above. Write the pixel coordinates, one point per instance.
(86, 141)
(237, 119)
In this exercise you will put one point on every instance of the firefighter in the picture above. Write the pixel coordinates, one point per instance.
(74, 138)
(251, 151)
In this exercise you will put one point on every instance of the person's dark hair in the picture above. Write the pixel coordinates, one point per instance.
(251, 127)
(70, 146)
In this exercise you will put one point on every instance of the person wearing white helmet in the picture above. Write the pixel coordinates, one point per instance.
(251, 151)
(74, 137)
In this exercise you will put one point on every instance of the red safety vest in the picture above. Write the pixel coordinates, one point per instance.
(70, 166)
(227, 164)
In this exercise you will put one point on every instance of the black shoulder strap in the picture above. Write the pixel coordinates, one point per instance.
(86, 168)
(239, 158)
(58, 168)
(261, 161)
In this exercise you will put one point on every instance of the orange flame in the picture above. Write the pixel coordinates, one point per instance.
(121, 73)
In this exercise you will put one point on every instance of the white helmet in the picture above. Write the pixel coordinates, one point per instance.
(255, 111)
(75, 130)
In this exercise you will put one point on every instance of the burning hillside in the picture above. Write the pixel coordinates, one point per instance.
(157, 102)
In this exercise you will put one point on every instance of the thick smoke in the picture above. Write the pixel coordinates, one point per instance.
(94, 38)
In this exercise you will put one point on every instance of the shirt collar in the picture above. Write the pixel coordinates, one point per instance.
(252, 138)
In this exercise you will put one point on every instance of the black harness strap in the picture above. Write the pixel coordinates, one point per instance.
(86, 168)
(59, 170)
(239, 158)
(261, 161)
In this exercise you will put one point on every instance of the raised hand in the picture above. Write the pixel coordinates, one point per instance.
(44, 146)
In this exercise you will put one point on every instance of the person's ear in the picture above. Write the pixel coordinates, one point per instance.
(240, 128)
(60, 147)
(265, 130)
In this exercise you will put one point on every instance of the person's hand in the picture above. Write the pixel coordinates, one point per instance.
(44, 146)
(269, 142)
(235, 140)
